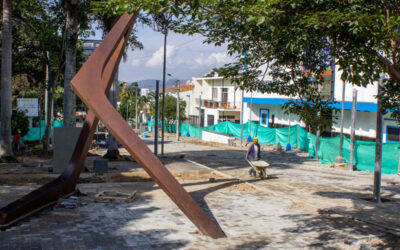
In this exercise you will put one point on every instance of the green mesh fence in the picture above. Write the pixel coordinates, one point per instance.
(364, 152)
(36, 133)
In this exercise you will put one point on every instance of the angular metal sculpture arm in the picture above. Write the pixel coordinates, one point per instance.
(91, 84)
(65, 184)
(85, 85)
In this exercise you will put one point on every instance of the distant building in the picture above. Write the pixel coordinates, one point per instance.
(220, 101)
(267, 109)
(144, 92)
(89, 45)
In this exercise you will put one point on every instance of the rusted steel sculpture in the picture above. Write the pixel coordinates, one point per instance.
(91, 84)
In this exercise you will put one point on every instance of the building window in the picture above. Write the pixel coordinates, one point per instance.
(392, 134)
(224, 96)
(214, 93)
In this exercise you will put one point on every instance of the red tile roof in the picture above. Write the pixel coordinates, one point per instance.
(183, 88)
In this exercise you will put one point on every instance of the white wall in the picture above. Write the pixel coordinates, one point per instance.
(365, 94)
(280, 116)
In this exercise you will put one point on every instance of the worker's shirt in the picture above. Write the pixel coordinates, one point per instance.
(256, 149)
(17, 137)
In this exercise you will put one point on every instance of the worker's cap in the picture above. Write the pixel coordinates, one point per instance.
(255, 139)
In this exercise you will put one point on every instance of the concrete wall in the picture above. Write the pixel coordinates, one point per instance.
(216, 137)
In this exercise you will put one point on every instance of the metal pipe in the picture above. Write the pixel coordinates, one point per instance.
(342, 120)
(241, 119)
(178, 86)
(353, 129)
(200, 116)
(378, 148)
(136, 109)
(156, 119)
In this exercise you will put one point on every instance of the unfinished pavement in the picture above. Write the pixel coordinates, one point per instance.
(302, 205)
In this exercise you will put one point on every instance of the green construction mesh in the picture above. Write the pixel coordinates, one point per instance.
(36, 133)
(364, 152)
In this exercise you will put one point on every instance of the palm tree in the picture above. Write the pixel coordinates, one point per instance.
(71, 8)
(6, 59)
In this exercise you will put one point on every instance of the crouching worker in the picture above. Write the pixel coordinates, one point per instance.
(253, 154)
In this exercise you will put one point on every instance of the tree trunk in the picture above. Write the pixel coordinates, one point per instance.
(50, 111)
(112, 150)
(6, 101)
(71, 36)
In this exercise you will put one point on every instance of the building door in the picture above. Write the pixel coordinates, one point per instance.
(210, 120)
(202, 118)
(264, 117)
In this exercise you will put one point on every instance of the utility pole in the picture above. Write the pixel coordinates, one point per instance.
(200, 115)
(178, 86)
(340, 158)
(156, 120)
(353, 129)
(378, 147)
(136, 110)
(241, 119)
(250, 110)
(163, 92)
(46, 92)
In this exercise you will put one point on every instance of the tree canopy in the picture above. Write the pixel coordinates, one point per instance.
(293, 36)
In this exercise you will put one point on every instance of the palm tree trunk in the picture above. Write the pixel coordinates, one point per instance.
(6, 101)
(71, 36)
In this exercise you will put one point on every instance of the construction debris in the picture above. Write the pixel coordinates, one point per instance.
(114, 197)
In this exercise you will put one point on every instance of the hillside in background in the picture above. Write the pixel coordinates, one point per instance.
(151, 83)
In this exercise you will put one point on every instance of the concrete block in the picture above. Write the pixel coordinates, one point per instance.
(65, 139)
(100, 165)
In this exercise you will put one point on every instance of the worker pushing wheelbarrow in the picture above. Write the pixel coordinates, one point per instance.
(253, 157)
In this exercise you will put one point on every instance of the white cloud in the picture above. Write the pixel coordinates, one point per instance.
(157, 58)
(214, 59)
(135, 62)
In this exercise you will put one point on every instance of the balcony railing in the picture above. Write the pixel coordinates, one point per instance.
(217, 104)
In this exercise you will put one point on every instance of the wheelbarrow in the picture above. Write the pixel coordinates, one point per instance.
(259, 166)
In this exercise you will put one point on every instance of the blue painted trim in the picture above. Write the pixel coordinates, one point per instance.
(387, 135)
(389, 119)
(361, 106)
(260, 117)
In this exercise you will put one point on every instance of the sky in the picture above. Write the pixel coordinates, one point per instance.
(187, 57)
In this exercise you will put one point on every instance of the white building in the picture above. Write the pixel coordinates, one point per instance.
(218, 99)
(267, 110)
(144, 91)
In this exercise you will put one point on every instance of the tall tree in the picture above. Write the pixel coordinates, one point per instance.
(71, 8)
(6, 62)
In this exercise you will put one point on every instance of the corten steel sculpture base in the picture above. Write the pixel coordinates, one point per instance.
(91, 84)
